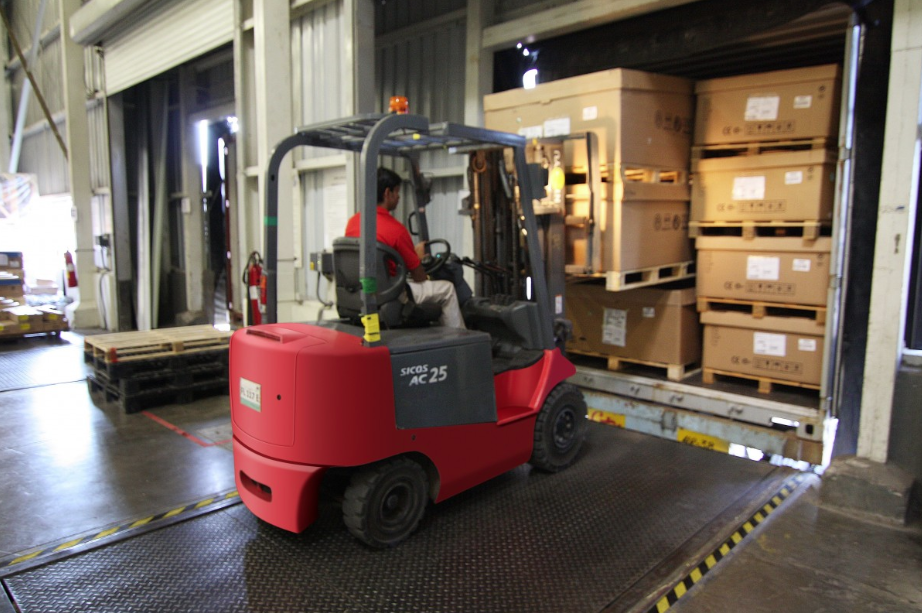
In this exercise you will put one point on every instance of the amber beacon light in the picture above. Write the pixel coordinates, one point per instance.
(399, 105)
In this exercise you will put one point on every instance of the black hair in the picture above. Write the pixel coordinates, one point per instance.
(387, 179)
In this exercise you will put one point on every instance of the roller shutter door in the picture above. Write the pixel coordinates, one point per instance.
(172, 33)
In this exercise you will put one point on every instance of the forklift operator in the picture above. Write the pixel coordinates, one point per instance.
(393, 233)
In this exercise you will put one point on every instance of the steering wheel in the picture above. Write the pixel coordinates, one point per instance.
(434, 263)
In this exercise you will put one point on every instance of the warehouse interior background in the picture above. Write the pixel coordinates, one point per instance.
(140, 134)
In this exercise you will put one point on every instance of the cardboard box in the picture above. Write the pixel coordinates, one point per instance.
(640, 118)
(29, 319)
(782, 270)
(11, 261)
(638, 225)
(781, 105)
(53, 319)
(791, 186)
(647, 324)
(783, 348)
(9, 328)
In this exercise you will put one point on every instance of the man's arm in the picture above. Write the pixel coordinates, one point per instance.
(418, 274)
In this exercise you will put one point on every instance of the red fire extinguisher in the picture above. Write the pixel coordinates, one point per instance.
(255, 280)
(71, 271)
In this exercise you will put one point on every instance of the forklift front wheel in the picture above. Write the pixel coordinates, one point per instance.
(385, 502)
(559, 429)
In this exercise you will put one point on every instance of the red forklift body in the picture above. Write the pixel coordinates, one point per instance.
(413, 412)
(307, 397)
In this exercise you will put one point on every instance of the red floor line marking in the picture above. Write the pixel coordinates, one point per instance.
(180, 431)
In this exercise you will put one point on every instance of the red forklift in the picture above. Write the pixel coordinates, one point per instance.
(413, 411)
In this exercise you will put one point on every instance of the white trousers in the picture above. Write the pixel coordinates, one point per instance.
(443, 294)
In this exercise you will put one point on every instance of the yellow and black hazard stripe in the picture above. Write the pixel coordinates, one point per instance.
(34, 557)
(679, 590)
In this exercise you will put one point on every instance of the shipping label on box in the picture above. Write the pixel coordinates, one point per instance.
(785, 104)
(795, 186)
(781, 270)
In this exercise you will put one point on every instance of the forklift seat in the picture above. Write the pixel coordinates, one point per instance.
(396, 307)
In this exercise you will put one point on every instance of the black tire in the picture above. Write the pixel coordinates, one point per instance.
(385, 502)
(560, 429)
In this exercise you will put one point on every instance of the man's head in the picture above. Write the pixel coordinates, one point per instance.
(388, 188)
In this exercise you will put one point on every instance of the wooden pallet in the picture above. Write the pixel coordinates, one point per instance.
(629, 173)
(127, 346)
(674, 372)
(616, 281)
(810, 230)
(704, 152)
(759, 309)
(765, 383)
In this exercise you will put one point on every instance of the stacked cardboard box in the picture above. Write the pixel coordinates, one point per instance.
(642, 125)
(764, 178)
(11, 276)
(653, 326)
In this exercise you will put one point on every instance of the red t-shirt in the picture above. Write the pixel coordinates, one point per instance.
(390, 232)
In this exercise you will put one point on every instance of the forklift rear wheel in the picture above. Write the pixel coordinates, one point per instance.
(560, 429)
(384, 503)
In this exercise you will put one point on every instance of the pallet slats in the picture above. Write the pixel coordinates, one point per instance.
(765, 383)
(760, 309)
(616, 281)
(124, 346)
(704, 152)
(810, 230)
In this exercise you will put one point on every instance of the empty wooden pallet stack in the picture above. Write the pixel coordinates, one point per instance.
(140, 370)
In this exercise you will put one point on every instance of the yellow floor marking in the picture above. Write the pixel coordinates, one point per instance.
(141, 522)
(68, 544)
(204, 502)
(232, 494)
(679, 590)
(105, 533)
(768, 509)
(663, 605)
(724, 550)
(174, 512)
(785, 492)
(28, 556)
(748, 527)
(759, 517)
(736, 538)
(776, 500)
(710, 561)
(695, 575)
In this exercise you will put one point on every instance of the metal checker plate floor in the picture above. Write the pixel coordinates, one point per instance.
(41, 360)
(525, 541)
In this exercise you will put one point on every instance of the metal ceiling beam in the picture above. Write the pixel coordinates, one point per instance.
(569, 18)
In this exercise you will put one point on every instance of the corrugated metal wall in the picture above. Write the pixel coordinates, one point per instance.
(399, 14)
(319, 94)
(427, 66)
(317, 69)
